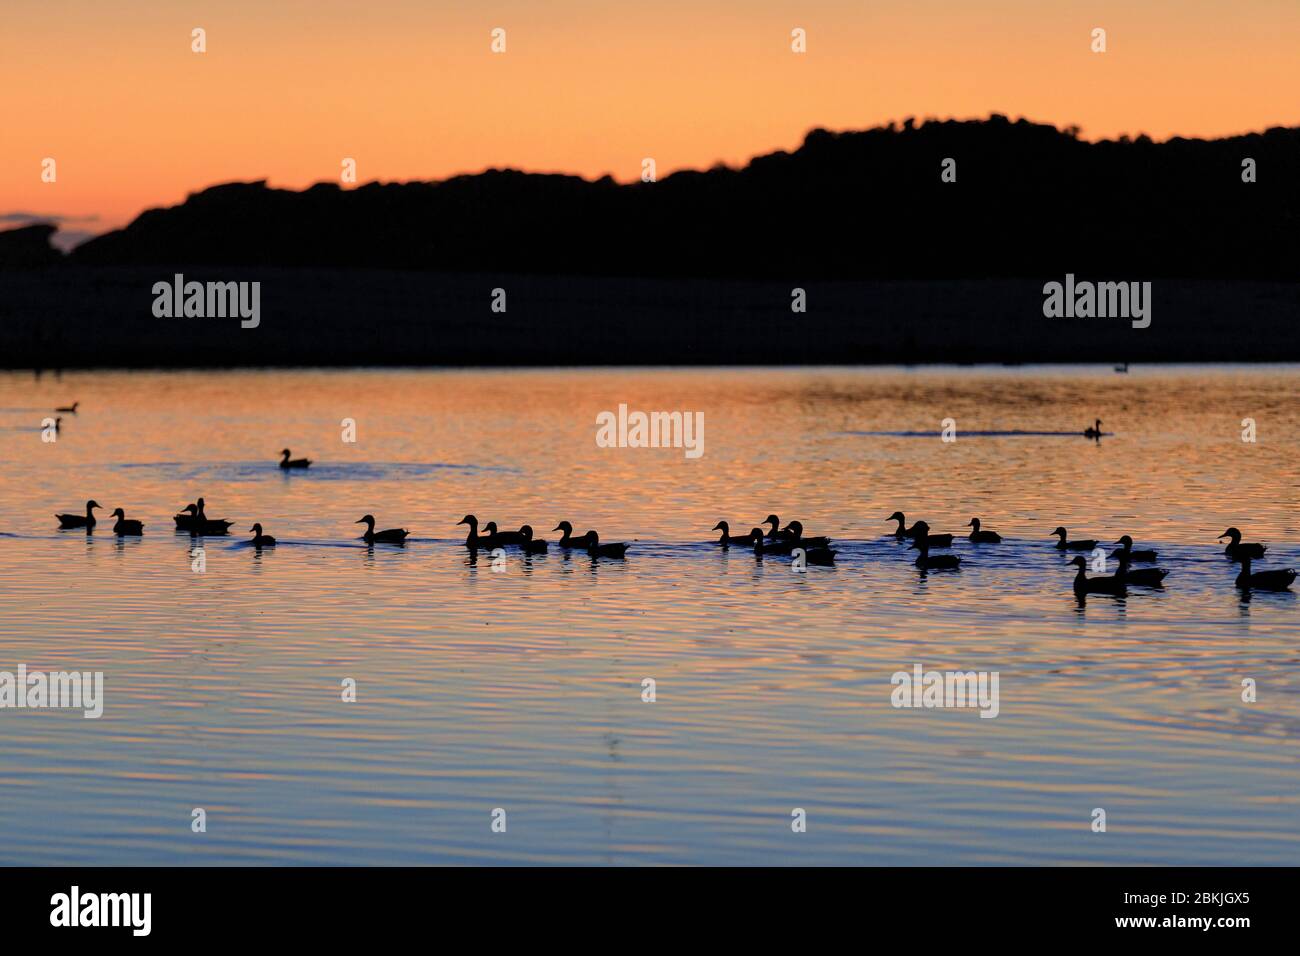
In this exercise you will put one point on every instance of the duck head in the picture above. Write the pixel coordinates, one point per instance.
(796, 527)
(367, 520)
(490, 529)
(1232, 533)
(469, 520)
(119, 513)
(1125, 540)
(773, 520)
(974, 523)
(527, 532)
(897, 516)
(1060, 533)
(256, 529)
(198, 508)
(92, 503)
(192, 508)
(757, 535)
(568, 528)
(723, 527)
(920, 529)
(1079, 562)
(593, 538)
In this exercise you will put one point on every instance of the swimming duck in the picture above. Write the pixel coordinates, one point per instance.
(497, 538)
(204, 525)
(125, 527)
(764, 545)
(1143, 577)
(739, 539)
(794, 532)
(775, 531)
(901, 531)
(69, 408)
(820, 556)
(1127, 552)
(982, 537)
(1277, 580)
(1237, 550)
(939, 562)
(531, 545)
(187, 516)
(598, 550)
(1066, 545)
(261, 540)
(472, 541)
(921, 530)
(80, 521)
(391, 536)
(1094, 431)
(1086, 585)
(287, 463)
(567, 540)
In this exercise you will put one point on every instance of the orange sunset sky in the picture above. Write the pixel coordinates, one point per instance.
(411, 90)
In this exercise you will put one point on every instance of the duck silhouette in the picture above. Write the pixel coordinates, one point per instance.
(794, 532)
(531, 545)
(1142, 577)
(261, 540)
(472, 540)
(938, 562)
(820, 556)
(203, 525)
(286, 462)
(1273, 580)
(567, 539)
(71, 409)
(921, 531)
(86, 521)
(1086, 585)
(1094, 431)
(775, 531)
(497, 538)
(901, 531)
(598, 550)
(728, 538)
(391, 536)
(1064, 544)
(186, 517)
(123, 526)
(1237, 550)
(1126, 552)
(982, 537)
(764, 545)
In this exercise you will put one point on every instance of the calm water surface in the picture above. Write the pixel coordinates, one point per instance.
(522, 689)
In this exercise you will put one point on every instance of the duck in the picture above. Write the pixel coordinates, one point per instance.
(391, 536)
(1094, 431)
(901, 531)
(1086, 585)
(982, 537)
(1237, 550)
(1066, 545)
(186, 517)
(202, 524)
(1126, 553)
(261, 540)
(531, 545)
(567, 540)
(286, 462)
(598, 550)
(1273, 580)
(1142, 577)
(472, 539)
(775, 532)
(764, 545)
(740, 539)
(820, 556)
(80, 521)
(794, 532)
(70, 409)
(125, 527)
(939, 562)
(921, 530)
(497, 538)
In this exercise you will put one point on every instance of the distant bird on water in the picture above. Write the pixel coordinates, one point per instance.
(472, 540)
(80, 521)
(286, 462)
(204, 525)
(598, 550)
(744, 540)
(1144, 577)
(1066, 545)
(187, 517)
(921, 532)
(1278, 580)
(261, 540)
(794, 532)
(1086, 585)
(1094, 431)
(531, 545)
(71, 409)
(123, 526)
(1237, 550)
(391, 536)
(497, 538)
(567, 539)
(982, 537)
(1126, 553)
(938, 562)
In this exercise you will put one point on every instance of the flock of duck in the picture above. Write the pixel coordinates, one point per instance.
(776, 539)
